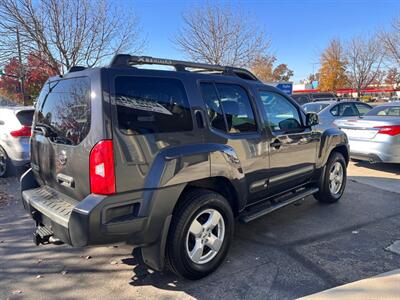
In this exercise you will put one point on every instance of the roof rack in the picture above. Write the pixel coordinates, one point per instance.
(124, 60)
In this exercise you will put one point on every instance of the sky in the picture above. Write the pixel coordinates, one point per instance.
(299, 30)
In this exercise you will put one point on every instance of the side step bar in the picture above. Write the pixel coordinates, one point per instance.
(264, 208)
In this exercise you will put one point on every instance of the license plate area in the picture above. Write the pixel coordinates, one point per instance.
(359, 133)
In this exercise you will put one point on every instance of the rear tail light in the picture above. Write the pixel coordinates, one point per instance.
(25, 131)
(389, 130)
(101, 168)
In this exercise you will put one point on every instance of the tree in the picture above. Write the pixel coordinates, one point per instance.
(263, 68)
(36, 74)
(67, 33)
(392, 77)
(282, 73)
(364, 58)
(332, 75)
(391, 41)
(217, 35)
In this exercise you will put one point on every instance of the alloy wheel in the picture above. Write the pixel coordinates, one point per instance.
(205, 236)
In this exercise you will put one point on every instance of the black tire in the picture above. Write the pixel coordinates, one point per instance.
(194, 203)
(4, 163)
(325, 195)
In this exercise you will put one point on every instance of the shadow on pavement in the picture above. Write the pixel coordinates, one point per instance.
(393, 169)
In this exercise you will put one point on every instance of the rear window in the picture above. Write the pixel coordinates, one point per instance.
(151, 105)
(384, 111)
(64, 110)
(25, 117)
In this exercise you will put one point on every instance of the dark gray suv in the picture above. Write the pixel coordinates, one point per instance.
(167, 160)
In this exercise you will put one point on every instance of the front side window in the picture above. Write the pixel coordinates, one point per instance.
(344, 110)
(65, 110)
(151, 105)
(347, 110)
(281, 114)
(228, 108)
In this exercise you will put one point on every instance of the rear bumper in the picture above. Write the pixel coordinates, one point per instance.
(138, 218)
(375, 151)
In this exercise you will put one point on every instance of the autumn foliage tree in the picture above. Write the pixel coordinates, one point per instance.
(263, 68)
(332, 75)
(35, 71)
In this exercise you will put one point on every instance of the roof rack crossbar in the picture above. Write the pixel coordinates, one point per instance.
(179, 65)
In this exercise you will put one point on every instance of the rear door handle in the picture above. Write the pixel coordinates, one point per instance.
(276, 144)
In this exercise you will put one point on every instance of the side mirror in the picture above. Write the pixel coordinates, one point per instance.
(312, 119)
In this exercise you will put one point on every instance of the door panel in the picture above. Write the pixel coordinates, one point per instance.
(293, 147)
(232, 121)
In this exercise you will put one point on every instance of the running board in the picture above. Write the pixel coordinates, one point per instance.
(264, 208)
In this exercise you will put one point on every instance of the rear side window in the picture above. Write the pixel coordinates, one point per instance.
(25, 117)
(65, 110)
(362, 108)
(228, 108)
(151, 105)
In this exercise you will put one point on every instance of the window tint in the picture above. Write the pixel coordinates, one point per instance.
(344, 110)
(236, 108)
(362, 108)
(25, 117)
(228, 108)
(281, 114)
(65, 110)
(214, 110)
(347, 110)
(151, 105)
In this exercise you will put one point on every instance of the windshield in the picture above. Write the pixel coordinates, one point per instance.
(388, 111)
(314, 107)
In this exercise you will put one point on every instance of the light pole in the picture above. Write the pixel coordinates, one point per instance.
(21, 71)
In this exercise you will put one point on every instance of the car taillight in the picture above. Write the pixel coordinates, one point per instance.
(25, 131)
(389, 130)
(101, 167)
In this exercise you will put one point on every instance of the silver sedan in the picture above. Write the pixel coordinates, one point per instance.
(376, 136)
(330, 111)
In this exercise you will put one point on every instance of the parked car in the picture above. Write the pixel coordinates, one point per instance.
(375, 137)
(329, 111)
(15, 130)
(302, 98)
(166, 160)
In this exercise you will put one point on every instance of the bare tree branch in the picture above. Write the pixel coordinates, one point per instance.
(217, 35)
(68, 32)
(364, 58)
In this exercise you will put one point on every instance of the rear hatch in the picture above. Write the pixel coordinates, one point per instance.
(367, 127)
(60, 143)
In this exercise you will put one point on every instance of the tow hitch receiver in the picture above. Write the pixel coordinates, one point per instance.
(43, 235)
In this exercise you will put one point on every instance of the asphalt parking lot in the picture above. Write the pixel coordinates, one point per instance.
(299, 250)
